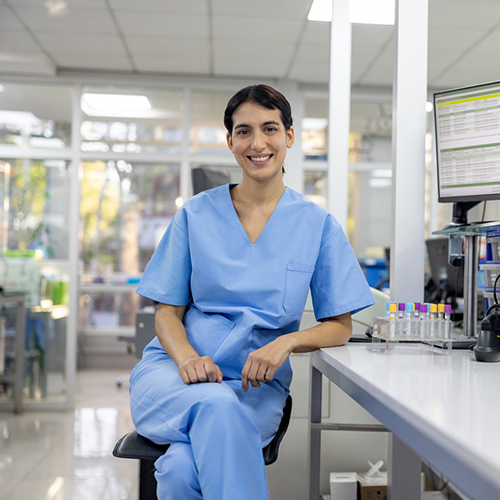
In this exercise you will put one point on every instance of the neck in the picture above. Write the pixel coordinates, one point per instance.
(259, 192)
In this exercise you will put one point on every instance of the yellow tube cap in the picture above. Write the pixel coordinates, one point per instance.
(433, 308)
(393, 307)
(441, 308)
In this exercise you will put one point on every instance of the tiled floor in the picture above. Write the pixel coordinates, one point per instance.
(67, 455)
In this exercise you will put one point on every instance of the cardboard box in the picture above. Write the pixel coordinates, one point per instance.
(343, 485)
(370, 491)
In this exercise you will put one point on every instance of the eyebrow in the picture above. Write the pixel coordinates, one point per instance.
(244, 125)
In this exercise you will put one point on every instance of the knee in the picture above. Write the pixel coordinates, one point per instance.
(176, 473)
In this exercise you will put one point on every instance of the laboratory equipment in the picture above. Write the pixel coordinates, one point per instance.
(488, 341)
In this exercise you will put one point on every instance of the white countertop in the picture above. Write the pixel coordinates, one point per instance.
(447, 408)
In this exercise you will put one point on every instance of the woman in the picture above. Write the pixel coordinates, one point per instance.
(232, 274)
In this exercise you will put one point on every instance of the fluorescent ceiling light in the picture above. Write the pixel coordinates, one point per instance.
(314, 123)
(19, 118)
(360, 11)
(372, 11)
(117, 101)
(321, 10)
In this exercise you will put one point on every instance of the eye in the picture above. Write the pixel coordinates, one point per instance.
(242, 132)
(271, 129)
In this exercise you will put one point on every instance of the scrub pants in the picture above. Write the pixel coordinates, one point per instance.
(216, 431)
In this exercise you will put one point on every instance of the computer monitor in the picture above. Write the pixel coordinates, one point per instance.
(204, 179)
(467, 124)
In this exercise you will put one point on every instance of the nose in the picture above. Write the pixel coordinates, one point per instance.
(258, 141)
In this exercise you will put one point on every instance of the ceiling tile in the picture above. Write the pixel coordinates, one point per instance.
(254, 28)
(260, 71)
(168, 47)
(316, 32)
(294, 9)
(91, 61)
(310, 73)
(378, 77)
(8, 21)
(172, 65)
(14, 41)
(160, 24)
(371, 36)
(79, 4)
(310, 53)
(471, 14)
(461, 78)
(99, 45)
(239, 51)
(453, 39)
(75, 21)
(194, 7)
(29, 64)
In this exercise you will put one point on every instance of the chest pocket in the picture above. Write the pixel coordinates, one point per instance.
(298, 280)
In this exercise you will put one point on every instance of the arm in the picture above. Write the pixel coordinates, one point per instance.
(262, 364)
(172, 335)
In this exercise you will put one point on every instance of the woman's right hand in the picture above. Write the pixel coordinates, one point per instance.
(200, 369)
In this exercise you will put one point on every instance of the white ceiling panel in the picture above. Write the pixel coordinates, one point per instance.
(99, 45)
(378, 77)
(75, 21)
(309, 53)
(283, 9)
(316, 32)
(258, 52)
(92, 61)
(368, 36)
(8, 21)
(253, 28)
(15, 41)
(453, 39)
(259, 70)
(194, 7)
(79, 4)
(28, 64)
(471, 14)
(459, 78)
(161, 24)
(168, 47)
(311, 73)
(173, 65)
(439, 61)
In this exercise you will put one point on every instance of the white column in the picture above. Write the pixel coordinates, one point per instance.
(74, 246)
(339, 111)
(408, 151)
(185, 173)
(294, 162)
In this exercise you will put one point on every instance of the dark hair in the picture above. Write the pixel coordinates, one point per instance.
(261, 94)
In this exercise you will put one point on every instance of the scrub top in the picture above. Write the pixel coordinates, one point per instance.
(242, 295)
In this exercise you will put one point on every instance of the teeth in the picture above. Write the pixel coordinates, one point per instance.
(260, 158)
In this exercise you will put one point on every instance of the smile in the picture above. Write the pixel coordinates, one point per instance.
(260, 158)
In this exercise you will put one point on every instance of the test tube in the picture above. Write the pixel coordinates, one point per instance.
(400, 318)
(408, 318)
(447, 321)
(440, 320)
(432, 320)
(415, 329)
(388, 310)
(423, 322)
(392, 319)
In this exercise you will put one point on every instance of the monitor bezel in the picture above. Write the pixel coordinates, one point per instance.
(465, 198)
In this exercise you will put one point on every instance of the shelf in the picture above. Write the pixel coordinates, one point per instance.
(475, 229)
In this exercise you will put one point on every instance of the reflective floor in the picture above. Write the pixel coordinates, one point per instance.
(67, 455)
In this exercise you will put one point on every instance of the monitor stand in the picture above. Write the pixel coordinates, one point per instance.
(460, 209)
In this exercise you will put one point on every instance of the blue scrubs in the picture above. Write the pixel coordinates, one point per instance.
(239, 297)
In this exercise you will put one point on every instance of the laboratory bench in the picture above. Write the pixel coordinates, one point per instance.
(441, 409)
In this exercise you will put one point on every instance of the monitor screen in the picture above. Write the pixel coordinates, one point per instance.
(468, 143)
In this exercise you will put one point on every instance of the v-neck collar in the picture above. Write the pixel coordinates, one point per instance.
(240, 225)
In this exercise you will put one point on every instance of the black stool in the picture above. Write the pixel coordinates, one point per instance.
(133, 445)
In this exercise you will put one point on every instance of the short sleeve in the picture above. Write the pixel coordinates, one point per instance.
(167, 276)
(338, 284)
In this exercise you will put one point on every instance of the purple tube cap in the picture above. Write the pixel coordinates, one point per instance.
(401, 306)
(417, 306)
(423, 308)
(447, 308)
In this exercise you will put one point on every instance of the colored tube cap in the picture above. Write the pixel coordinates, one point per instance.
(423, 308)
(441, 308)
(417, 306)
(433, 308)
(447, 308)
(393, 307)
(387, 306)
(409, 307)
(401, 306)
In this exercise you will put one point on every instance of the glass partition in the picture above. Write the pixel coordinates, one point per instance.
(131, 120)
(208, 134)
(35, 116)
(34, 201)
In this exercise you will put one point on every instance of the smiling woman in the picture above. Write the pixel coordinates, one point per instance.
(232, 274)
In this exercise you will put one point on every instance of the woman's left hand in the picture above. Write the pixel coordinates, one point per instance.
(261, 365)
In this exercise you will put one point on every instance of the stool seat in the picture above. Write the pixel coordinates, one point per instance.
(135, 446)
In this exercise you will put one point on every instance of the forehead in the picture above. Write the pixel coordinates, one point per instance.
(252, 113)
